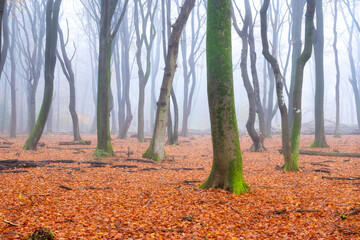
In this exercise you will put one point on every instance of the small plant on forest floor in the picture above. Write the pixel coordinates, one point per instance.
(41, 234)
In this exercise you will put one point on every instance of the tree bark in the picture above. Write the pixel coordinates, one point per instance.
(297, 7)
(156, 148)
(227, 171)
(337, 88)
(66, 66)
(278, 78)
(52, 16)
(320, 140)
(13, 81)
(293, 164)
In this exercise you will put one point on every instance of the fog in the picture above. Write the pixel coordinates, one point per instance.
(84, 64)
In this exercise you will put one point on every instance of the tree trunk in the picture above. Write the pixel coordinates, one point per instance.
(297, 7)
(337, 88)
(278, 78)
(320, 140)
(293, 164)
(227, 171)
(13, 82)
(156, 148)
(66, 66)
(125, 63)
(244, 35)
(103, 129)
(52, 15)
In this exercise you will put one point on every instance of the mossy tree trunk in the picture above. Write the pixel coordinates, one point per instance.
(293, 164)
(52, 16)
(320, 140)
(66, 66)
(278, 81)
(104, 75)
(156, 148)
(227, 170)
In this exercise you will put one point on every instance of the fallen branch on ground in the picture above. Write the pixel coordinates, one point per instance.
(76, 143)
(341, 178)
(328, 154)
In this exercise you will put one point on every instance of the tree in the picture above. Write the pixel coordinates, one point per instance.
(258, 140)
(52, 16)
(278, 80)
(320, 140)
(13, 79)
(337, 88)
(125, 66)
(227, 171)
(144, 36)
(297, 7)
(189, 63)
(156, 148)
(66, 66)
(353, 78)
(293, 164)
(106, 36)
(2, 9)
(32, 23)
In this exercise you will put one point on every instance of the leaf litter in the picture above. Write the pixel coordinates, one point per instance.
(127, 198)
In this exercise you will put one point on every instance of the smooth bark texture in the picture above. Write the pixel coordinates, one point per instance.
(278, 80)
(293, 164)
(320, 140)
(337, 87)
(66, 66)
(227, 170)
(52, 16)
(2, 9)
(156, 148)
(13, 119)
(34, 13)
(297, 7)
(144, 37)
(258, 141)
(125, 66)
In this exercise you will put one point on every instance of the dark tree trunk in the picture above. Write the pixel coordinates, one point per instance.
(66, 66)
(144, 37)
(320, 140)
(52, 15)
(106, 37)
(244, 35)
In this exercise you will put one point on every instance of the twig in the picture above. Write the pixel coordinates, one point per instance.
(346, 229)
(10, 223)
(341, 178)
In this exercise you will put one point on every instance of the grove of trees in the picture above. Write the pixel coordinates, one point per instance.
(114, 68)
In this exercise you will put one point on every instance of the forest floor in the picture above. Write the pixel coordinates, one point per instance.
(127, 199)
